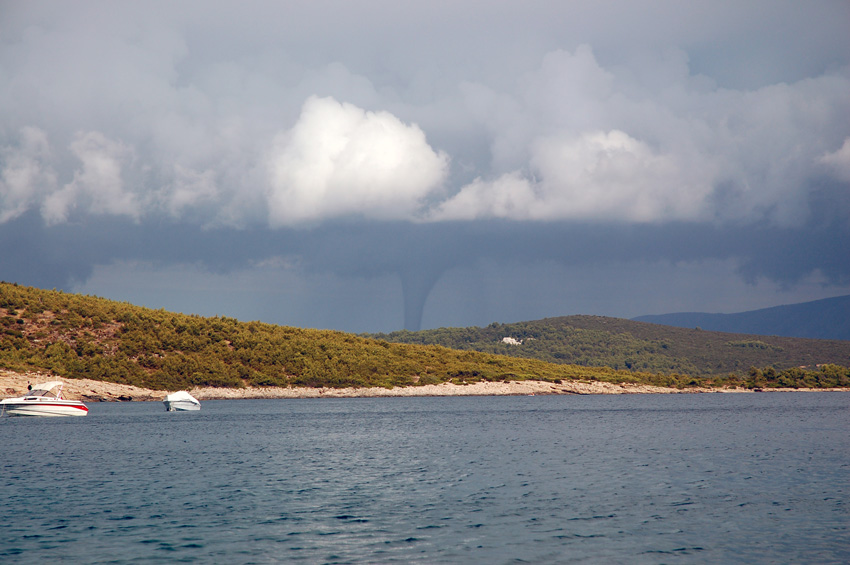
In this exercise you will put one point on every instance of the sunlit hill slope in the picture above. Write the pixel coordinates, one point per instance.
(77, 336)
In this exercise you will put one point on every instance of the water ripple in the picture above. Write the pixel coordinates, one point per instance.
(640, 479)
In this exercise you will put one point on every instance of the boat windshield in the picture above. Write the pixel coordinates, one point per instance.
(44, 390)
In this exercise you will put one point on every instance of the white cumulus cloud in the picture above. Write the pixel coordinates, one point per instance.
(639, 123)
(189, 189)
(98, 185)
(596, 176)
(651, 143)
(25, 173)
(839, 161)
(340, 160)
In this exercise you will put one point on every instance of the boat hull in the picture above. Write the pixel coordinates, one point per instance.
(44, 409)
(180, 405)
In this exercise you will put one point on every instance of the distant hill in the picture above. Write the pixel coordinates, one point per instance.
(821, 319)
(637, 346)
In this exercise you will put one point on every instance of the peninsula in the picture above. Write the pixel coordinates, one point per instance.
(137, 353)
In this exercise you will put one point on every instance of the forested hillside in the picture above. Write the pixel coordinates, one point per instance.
(636, 346)
(78, 336)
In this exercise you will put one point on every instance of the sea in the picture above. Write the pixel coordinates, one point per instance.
(681, 478)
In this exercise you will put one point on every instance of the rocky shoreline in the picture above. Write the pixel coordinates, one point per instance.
(15, 384)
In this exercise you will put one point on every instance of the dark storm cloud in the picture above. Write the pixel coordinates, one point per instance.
(57, 256)
(425, 138)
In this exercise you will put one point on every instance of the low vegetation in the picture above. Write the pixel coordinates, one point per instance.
(76, 336)
(825, 376)
(637, 346)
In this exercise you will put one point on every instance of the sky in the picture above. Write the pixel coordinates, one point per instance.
(374, 165)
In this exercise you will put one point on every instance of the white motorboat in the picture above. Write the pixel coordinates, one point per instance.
(181, 401)
(43, 400)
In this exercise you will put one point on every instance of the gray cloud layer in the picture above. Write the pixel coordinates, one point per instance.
(374, 138)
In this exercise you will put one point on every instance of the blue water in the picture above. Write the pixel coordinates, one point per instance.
(712, 478)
